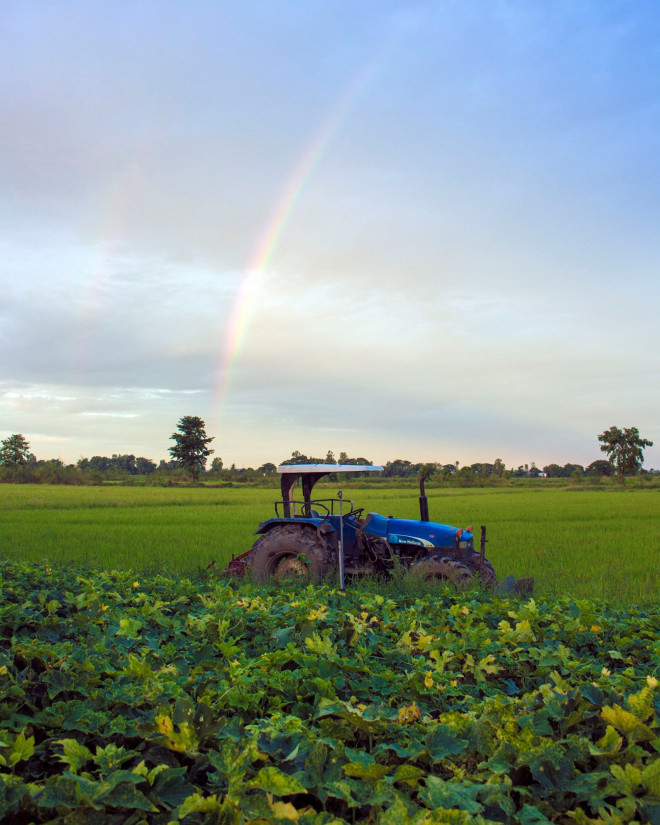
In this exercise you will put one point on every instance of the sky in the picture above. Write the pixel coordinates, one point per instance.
(396, 228)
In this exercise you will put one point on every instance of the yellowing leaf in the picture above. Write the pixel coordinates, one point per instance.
(409, 714)
(524, 630)
(370, 773)
(641, 704)
(183, 741)
(273, 780)
(165, 725)
(198, 804)
(626, 723)
(284, 810)
(651, 777)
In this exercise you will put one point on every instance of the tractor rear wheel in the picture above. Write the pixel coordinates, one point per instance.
(289, 552)
(442, 568)
(486, 573)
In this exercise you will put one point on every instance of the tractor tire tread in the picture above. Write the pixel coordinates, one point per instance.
(486, 573)
(443, 567)
(289, 540)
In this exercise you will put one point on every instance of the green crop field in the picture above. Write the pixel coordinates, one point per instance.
(193, 701)
(583, 543)
(136, 687)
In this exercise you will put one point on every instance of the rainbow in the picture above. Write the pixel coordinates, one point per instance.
(245, 301)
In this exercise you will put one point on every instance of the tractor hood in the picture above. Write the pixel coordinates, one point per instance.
(419, 533)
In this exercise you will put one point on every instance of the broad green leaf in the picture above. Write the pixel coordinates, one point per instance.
(74, 754)
(651, 777)
(273, 780)
(12, 791)
(129, 628)
(441, 794)
(171, 787)
(285, 810)
(626, 723)
(315, 762)
(111, 757)
(641, 704)
(198, 803)
(370, 773)
(530, 815)
(408, 773)
(126, 795)
(59, 791)
(442, 741)
(22, 749)
(610, 743)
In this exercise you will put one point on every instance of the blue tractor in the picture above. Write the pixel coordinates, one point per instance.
(310, 538)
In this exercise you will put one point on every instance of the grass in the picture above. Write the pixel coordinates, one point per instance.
(595, 544)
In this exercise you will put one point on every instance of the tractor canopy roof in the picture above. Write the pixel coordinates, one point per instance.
(328, 468)
(311, 473)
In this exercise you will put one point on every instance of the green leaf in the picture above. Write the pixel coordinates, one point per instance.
(74, 754)
(12, 790)
(441, 794)
(109, 758)
(396, 814)
(315, 762)
(171, 787)
(129, 628)
(197, 803)
(651, 777)
(273, 780)
(593, 694)
(627, 723)
(128, 796)
(22, 749)
(408, 773)
(370, 773)
(59, 791)
(529, 815)
(442, 741)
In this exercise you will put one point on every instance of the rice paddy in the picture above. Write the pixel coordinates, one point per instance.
(583, 543)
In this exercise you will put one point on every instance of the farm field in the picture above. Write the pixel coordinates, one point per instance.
(596, 544)
(160, 700)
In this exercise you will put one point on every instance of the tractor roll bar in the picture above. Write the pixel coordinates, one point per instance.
(310, 474)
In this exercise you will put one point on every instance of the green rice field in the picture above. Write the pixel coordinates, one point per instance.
(584, 543)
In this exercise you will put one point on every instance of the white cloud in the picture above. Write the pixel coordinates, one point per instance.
(469, 268)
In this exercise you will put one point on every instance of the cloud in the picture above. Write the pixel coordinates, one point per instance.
(468, 268)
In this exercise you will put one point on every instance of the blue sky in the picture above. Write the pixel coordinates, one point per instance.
(402, 229)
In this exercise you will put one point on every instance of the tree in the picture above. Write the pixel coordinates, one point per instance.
(190, 450)
(599, 468)
(14, 451)
(267, 469)
(145, 466)
(498, 468)
(216, 465)
(625, 449)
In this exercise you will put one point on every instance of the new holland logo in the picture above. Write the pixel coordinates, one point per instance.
(409, 540)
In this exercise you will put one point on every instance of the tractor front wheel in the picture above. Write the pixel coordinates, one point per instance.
(442, 568)
(485, 572)
(289, 552)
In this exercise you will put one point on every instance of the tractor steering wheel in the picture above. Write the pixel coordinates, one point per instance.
(357, 512)
(315, 506)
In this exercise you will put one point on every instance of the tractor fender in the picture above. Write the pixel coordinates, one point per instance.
(322, 528)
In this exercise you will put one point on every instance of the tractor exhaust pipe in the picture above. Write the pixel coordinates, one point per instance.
(423, 502)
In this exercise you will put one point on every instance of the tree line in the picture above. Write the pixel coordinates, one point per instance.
(191, 450)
